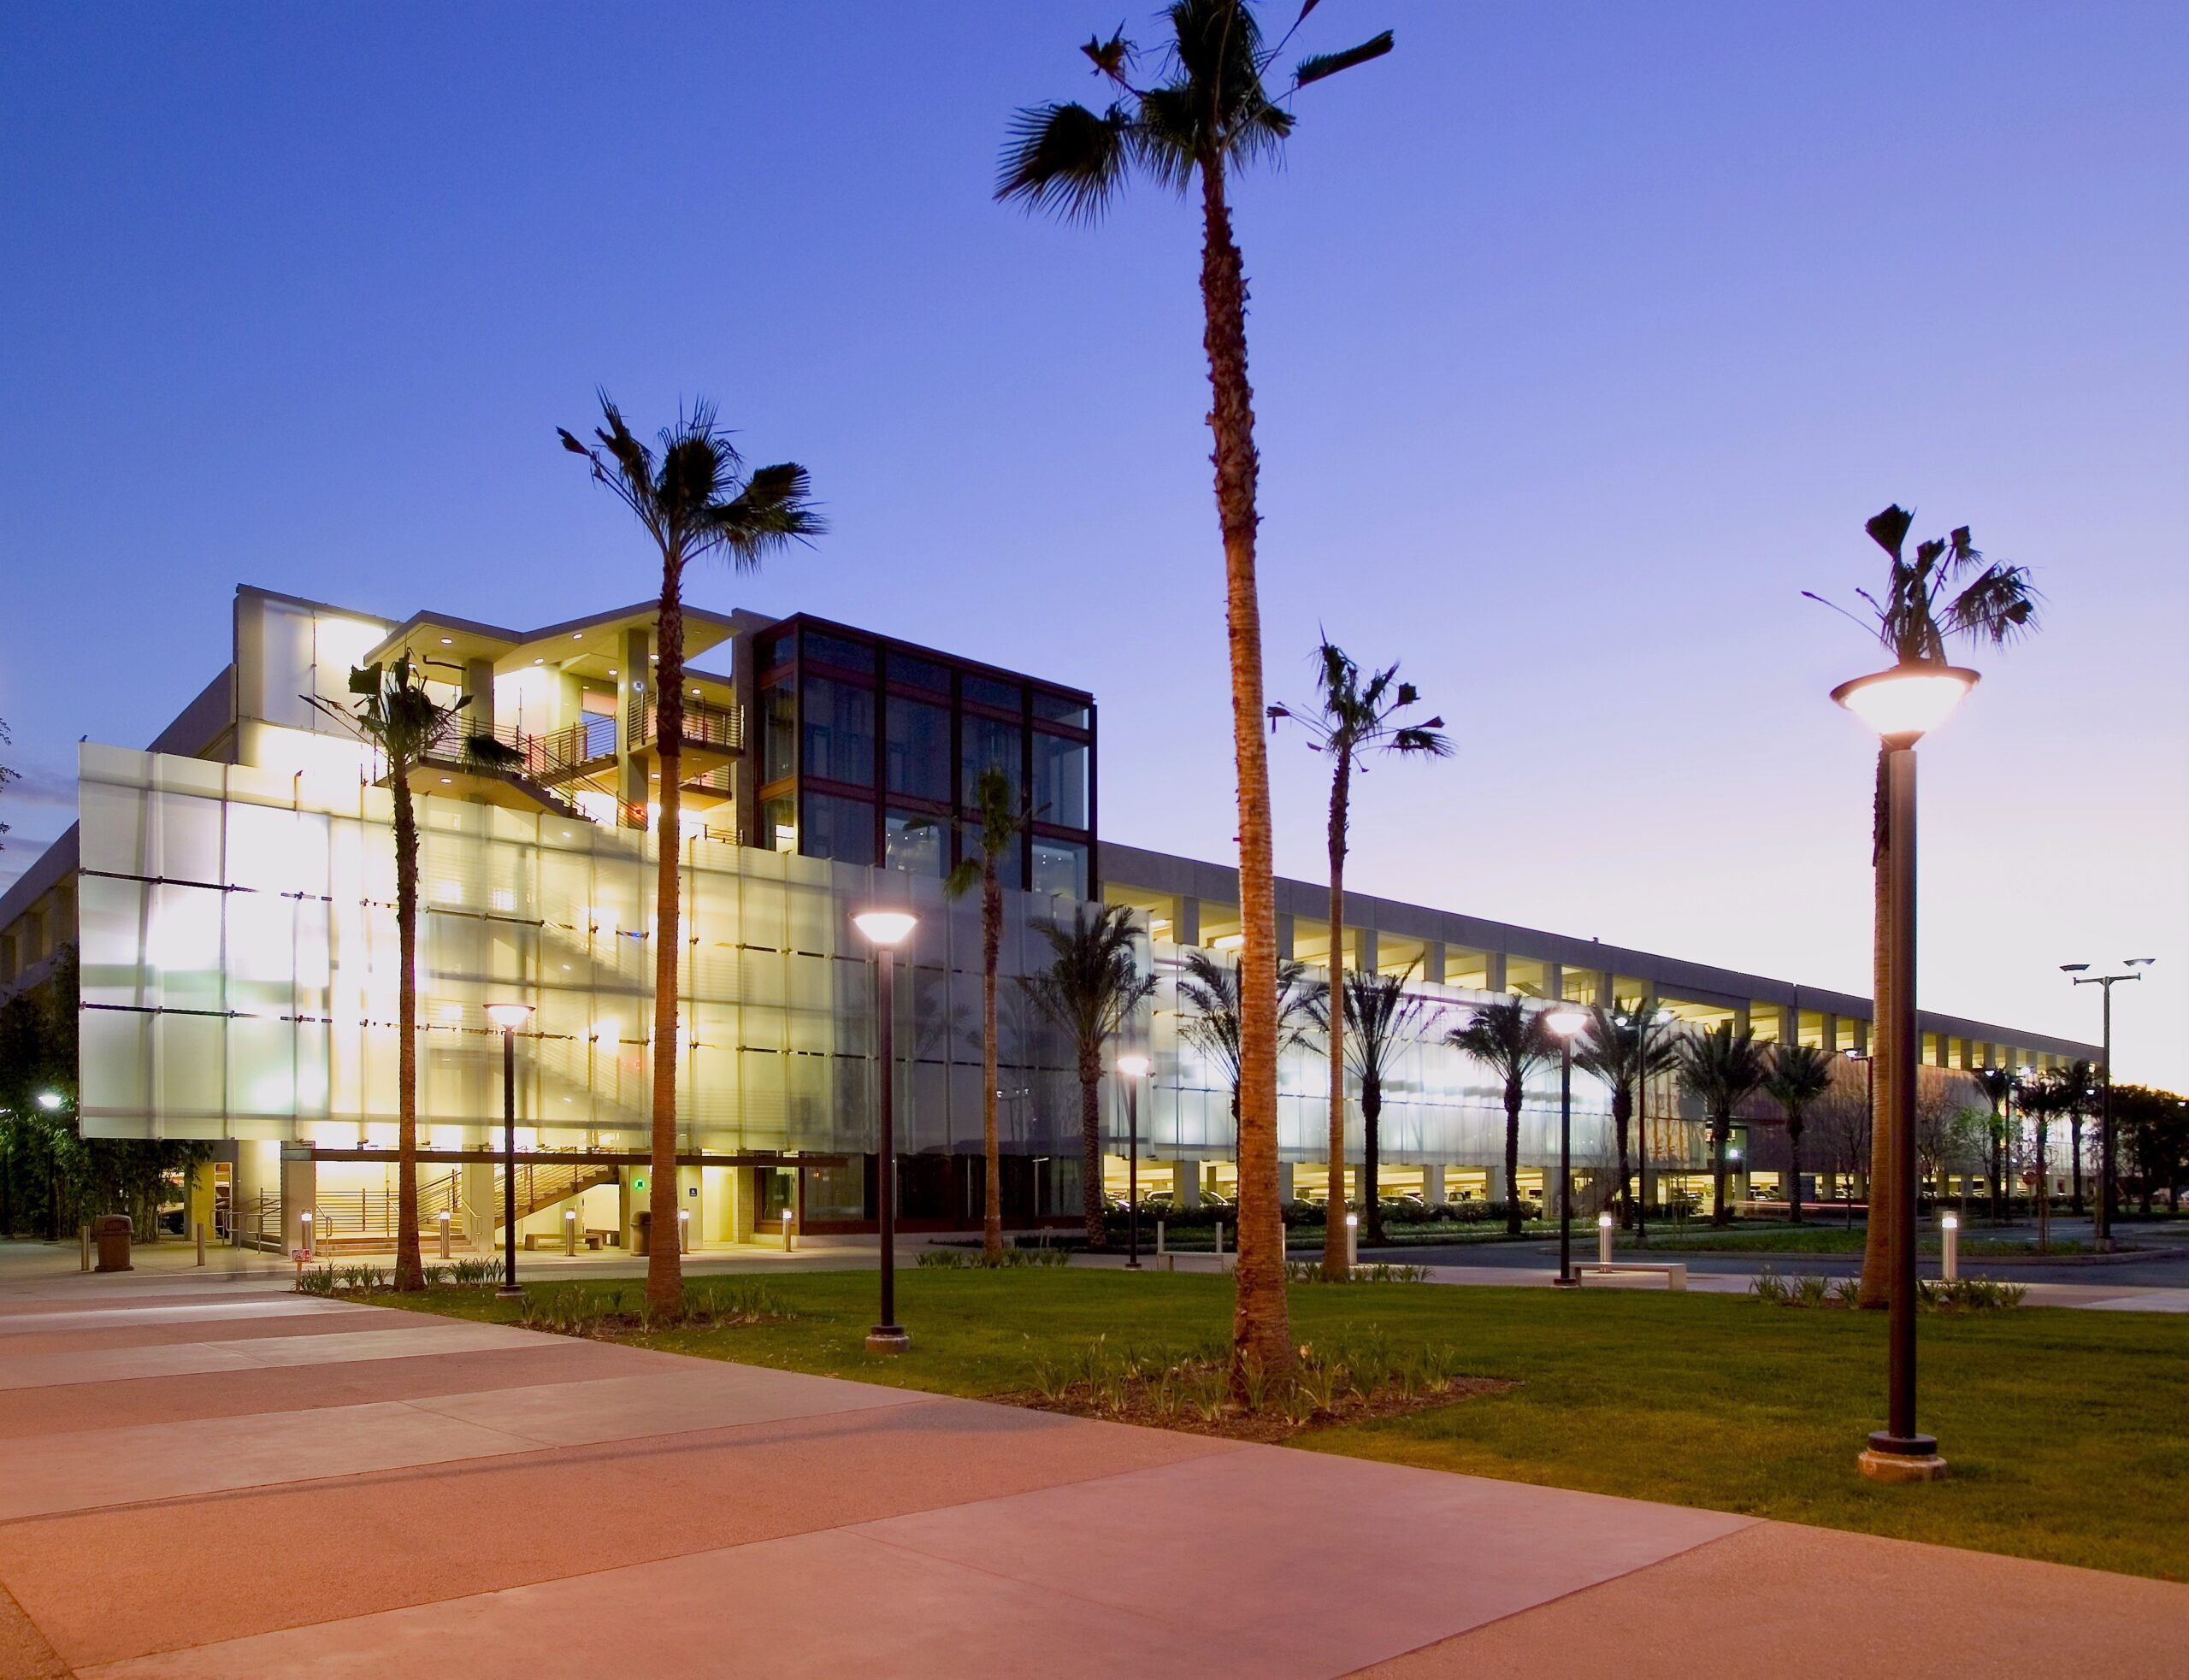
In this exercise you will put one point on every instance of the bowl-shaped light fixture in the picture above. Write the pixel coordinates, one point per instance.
(509, 1016)
(1133, 1066)
(1907, 702)
(885, 927)
(1565, 1022)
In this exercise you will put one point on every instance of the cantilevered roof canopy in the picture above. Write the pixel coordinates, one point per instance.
(579, 644)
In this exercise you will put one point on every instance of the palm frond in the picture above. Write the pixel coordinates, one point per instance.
(1327, 64)
(1066, 160)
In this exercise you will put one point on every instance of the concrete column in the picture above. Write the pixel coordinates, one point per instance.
(299, 1186)
(1364, 945)
(1790, 1024)
(1607, 989)
(634, 653)
(1497, 1189)
(1284, 1191)
(480, 1203)
(1743, 1017)
(691, 1201)
(1831, 1044)
(478, 684)
(1185, 929)
(1859, 1039)
(1432, 1183)
(1432, 962)
(1283, 936)
(1493, 978)
(1554, 980)
(1185, 1184)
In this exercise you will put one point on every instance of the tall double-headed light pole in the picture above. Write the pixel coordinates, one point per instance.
(1132, 1068)
(2132, 969)
(509, 1017)
(885, 931)
(1565, 1020)
(1902, 706)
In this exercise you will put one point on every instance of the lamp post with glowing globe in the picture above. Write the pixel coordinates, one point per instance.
(1902, 706)
(1565, 1022)
(885, 931)
(509, 1017)
(1133, 1067)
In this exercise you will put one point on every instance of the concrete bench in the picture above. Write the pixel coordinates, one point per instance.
(1675, 1274)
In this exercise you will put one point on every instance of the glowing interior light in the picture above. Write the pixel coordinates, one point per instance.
(1909, 701)
(1133, 1066)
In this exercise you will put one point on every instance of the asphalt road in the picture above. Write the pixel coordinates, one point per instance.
(2170, 1271)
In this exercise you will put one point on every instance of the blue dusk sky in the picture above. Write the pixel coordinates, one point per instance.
(1584, 337)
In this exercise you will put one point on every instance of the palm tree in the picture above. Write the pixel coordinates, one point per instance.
(1001, 823)
(1511, 1040)
(1625, 1048)
(695, 499)
(2042, 1098)
(1353, 721)
(1209, 114)
(1090, 989)
(1998, 1088)
(1719, 1069)
(2077, 1080)
(1216, 1026)
(1381, 1017)
(1798, 1075)
(397, 716)
(1948, 591)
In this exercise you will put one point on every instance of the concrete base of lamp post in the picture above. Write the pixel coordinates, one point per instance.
(887, 1338)
(1912, 1460)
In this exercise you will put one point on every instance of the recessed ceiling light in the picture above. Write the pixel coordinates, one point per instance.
(447, 779)
(448, 641)
(611, 670)
(540, 662)
(577, 635)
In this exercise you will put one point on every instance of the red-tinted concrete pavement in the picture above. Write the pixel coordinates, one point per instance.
(208, 1477)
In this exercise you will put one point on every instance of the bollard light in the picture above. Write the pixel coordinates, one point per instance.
(305, 1220)
(1603, 1239)
(444, 1233)
(1351, 1238)
(683, 1230)
(1949, 1247)
(569, 1230)
(787, 1248)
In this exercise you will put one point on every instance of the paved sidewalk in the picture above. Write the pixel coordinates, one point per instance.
(205, 1476)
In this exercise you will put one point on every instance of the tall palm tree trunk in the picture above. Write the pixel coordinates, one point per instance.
(409, 1272)
(1794, 1170)
(992, 1166)
(1720, 1214)
(665, 1255)
(1090, 1145)
(1334, 1225)
(1262, 1329)
(1876, 1286)
(2075, 1162)
(1512, 1157)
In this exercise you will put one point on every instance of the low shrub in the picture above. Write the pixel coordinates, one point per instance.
(1311, 1271)
(968, 1259)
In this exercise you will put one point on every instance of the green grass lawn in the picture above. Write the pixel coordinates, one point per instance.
(2068, 1431)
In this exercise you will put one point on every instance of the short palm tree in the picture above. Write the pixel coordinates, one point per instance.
(1207, 114)
(1948, 592)
(400, 719)
(1798, 1075)
(1001, 821)
(1511, 1040)
(1212, 990)
(1090, 989)
(2043, 1099)
(695, 499)
(2078, 1080)
(1625, 1048)
(1382, 1017)
(1354, 719)
(1720, 1069)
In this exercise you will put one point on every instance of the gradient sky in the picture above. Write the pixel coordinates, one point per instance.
(1584, 337)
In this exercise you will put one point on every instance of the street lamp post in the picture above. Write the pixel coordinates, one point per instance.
(1901, 705)
(2076, 971)
(1661, 1017)
(1565, 1023)
(885, 929)
(509, 1017)
(1134, 1068)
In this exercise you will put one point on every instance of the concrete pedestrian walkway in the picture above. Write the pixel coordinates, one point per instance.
(205, 1476)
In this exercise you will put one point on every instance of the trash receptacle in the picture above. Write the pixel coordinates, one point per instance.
(110, 1233)
(642, 1232)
